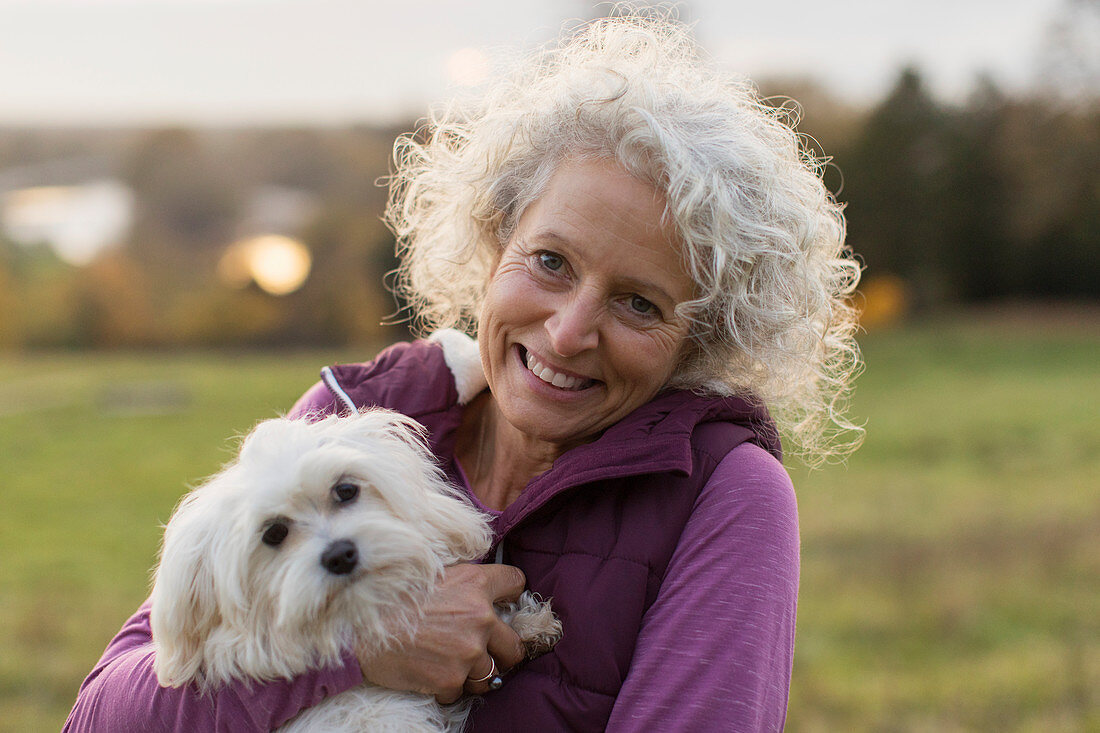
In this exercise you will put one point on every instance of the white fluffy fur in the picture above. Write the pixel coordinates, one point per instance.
(228, 606)
(461, 354)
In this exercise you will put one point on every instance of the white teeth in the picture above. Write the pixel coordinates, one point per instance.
(546, 374)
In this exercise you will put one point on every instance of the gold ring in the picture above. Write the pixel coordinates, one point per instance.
(492, 672)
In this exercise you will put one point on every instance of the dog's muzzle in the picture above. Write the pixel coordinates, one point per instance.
(341, 557)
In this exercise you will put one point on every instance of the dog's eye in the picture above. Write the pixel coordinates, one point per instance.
(275, 534)
(344, 492)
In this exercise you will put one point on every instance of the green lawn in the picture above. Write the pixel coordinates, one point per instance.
(951, 571)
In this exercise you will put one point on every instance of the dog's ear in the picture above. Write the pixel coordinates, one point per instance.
(184, 599)
(458, 531)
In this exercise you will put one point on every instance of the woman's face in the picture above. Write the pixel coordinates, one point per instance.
(578, 327)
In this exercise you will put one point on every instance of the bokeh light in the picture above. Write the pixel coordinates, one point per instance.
(278, 265)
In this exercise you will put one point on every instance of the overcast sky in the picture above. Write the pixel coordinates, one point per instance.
(333, 61)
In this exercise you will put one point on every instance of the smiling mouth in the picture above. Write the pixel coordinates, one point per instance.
(556, 379)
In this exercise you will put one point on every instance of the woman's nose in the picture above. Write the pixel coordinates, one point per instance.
(573, 327)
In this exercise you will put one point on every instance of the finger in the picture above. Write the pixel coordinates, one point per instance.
(450, 696)
(505, 646)
(504, 582)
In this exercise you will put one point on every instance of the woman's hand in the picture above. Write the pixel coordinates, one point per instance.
(456, 636)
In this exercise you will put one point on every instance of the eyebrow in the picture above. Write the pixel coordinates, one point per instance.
(551, 235)
(636, 283)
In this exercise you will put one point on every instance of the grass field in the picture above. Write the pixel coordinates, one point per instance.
(951, 571)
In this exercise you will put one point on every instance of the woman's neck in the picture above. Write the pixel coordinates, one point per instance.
(498, 460)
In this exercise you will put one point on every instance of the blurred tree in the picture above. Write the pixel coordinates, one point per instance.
(975, 199)
(11, 326)
(996, 199)
(211, 315)
(112, 304)
(293, 158)
(45, 303)
(895, 178)
(185, 205)
(345, 299)
(1053, 164)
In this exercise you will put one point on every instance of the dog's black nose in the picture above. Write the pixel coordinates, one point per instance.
(341, 557)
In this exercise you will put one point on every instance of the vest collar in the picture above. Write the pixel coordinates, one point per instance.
(655, 438)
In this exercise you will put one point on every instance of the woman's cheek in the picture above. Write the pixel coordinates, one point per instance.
(518, 288)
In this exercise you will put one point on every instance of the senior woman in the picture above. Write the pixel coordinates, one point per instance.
(648, 259)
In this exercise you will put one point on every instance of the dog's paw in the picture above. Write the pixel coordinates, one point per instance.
(532, 618)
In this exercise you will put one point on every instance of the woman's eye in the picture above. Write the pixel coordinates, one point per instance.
(643, 306)
(344, 492)
(551, 261)
(274, 535)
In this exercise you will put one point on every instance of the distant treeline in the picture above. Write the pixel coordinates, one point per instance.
(996, 198)
(999, 198)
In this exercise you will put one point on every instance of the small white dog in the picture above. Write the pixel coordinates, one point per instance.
(319, 536)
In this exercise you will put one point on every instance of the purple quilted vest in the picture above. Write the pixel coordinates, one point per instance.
(594, 533)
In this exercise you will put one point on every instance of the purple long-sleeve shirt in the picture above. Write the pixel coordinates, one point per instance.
(714, 652)
(121, 694)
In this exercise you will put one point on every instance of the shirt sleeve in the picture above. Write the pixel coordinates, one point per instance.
(716, 647)
(122, 693)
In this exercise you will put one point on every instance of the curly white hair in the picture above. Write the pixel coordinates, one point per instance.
(762, 236)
